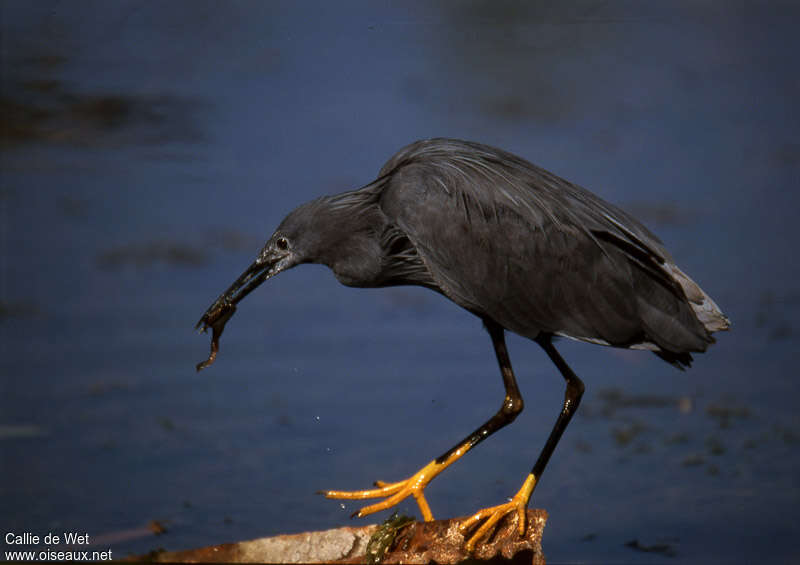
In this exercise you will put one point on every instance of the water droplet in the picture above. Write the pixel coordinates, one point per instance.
(342, 505)
(316, 418)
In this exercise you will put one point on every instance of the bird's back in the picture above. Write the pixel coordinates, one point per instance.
(514, 243)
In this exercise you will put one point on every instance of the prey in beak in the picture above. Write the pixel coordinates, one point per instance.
(274, 258)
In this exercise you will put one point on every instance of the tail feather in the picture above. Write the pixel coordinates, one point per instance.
(681, 361)
(706, 310)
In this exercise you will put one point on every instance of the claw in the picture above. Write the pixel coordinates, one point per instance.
(394, 493)
(494, 514)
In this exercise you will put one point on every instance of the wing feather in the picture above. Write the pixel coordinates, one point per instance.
(515, 243)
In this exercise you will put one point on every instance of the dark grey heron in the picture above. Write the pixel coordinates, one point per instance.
(519, 247)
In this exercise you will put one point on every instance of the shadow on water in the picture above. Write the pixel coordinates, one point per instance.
(46, 110)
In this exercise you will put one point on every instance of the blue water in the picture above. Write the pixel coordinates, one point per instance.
(150, 149)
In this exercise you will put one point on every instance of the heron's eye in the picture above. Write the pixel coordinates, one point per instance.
(282, 244)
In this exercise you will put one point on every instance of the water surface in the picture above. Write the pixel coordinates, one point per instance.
(150, 149)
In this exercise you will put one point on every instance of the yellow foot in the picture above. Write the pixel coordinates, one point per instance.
(394, 492)
(494, 514)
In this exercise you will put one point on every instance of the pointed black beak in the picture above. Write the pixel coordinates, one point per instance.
(261, 269)
(218, 314)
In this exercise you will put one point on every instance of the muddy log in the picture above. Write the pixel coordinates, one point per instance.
(415, 542)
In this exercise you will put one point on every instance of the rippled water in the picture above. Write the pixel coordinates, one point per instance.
(148, 151)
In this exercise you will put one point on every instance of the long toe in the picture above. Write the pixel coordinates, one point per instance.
(490, 517)
(384, 489)
(394, 493)
(493, 515)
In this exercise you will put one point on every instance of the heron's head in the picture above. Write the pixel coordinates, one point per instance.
(338, 231)
(287, 247)
(312, 233)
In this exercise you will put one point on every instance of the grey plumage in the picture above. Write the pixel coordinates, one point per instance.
(517, 246)
(511, 242)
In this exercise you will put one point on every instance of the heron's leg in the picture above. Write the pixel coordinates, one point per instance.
(415, 485)
(518, 504)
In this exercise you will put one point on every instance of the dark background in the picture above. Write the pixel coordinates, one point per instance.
(148, 149)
